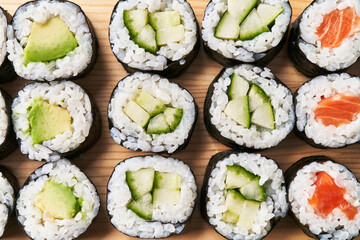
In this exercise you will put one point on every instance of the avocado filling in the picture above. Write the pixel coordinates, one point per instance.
(49, 41)
(47, 121)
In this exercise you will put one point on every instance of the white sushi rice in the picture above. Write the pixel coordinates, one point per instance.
(65, 94)
(329, 58)
(133, 136)
(3, 119)
(336, 225)
(41, 11)
(167, 219)
(310, 94)
(136, 57)
(271, 177)
(3, 26)
(254, 137)
(243, 50)
(40, 225)
(6, 201)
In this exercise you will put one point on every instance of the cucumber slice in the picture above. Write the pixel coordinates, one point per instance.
(166, 196)
(238, 110)
(166, 19)
(268, 13)
(237, 177)
(257, 97)
(146, 39)
(158, 125)
(170, 35)
(263, 116)
(252, 26)
(135, 21)
(136, 113)
(143, 207)
(254, 191)
(140, 182)
(234, 201)
(230, 217)
(238, 87)
(249, 211)
(228, 27)
(173, 117)
(152, 105)
(166, 180)
(239, 9)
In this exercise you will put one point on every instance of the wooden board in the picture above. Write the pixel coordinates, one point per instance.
(98, 162)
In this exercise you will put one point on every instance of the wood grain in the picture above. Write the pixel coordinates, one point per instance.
(99, 161)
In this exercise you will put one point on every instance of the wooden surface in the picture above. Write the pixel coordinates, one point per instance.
(100, 160)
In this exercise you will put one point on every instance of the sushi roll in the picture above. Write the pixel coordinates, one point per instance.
(325, 37)
(54, 120)
(7, 72)
(235, 32)
(51, 40)
(243, 195)
(7, 135)
(8, 193)
(327, 111)
(324, 198)
(149, 113)
(248, 108)
(151, 196)
(156, 36)
(57, 201)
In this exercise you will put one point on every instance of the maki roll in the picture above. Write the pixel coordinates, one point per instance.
(149, 113)
(7, 135)
(51, 40)
(247, 107)
(325, 37)
(159, 37)
(324, 198)
(151, 196)
(253, 31)
(57, 201)
(243, 195)
(327, 111)
(54, 120)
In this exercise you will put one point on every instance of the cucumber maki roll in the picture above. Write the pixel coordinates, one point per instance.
(247, 107)
(324, 198)
(327, 111)
(7, 135)
(251, 31)
(57, 201)
(149, 113)
(151, 196)
(243, 195)
(159, 37)
(54, 120)
(324, 38)
(51, 40)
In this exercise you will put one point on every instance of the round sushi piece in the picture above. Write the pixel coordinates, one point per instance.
(55, 120)
(151, 196)
(327, 111)
(159, 37)
(247, 107)
(51, 40)
(324, 198)
(149, 113)
(243, 195)
(8, 193)
(235, 32)
(325, 37)
(7, 135)
(57, 201)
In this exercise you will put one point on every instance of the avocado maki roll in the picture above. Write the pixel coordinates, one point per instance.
(7, 135)
(247, 107)
(325, 37)
(243, 195)
(51, 40)
(149, 113)
(324, 198)
(252, 31)
(54, 120)
(57, 201)
(159, 37)
(151, 196)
